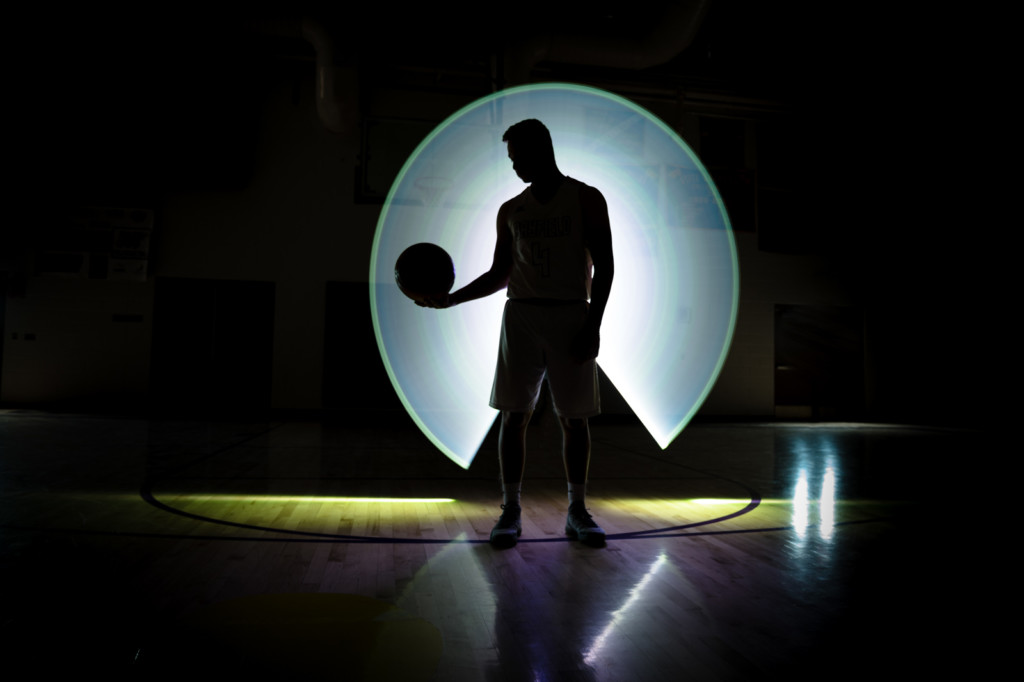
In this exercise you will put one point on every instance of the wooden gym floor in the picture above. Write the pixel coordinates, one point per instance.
(157, 549)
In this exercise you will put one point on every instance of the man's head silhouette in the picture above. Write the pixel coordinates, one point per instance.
(530, 149)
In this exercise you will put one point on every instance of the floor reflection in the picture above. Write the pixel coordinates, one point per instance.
(743, 551)
(596, 650)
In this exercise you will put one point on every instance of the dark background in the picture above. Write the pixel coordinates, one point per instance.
(830, 132)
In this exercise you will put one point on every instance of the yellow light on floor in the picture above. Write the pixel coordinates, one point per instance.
(277, 499)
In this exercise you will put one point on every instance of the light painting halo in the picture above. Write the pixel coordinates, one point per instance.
(672, 310)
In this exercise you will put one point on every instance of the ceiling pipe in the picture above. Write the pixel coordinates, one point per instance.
(337, 83)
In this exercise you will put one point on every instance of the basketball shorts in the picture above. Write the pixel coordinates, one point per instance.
(534, 344)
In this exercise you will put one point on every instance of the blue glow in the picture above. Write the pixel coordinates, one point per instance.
(670, 318)
(801, 504)
(827, 506)
(814, 454)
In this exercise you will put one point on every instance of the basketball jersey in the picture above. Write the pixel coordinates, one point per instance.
(550, 257)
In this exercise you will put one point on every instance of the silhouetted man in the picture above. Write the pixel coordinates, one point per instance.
(554, 255)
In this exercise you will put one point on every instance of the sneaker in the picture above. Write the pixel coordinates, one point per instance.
(579, 524)
(509, 527)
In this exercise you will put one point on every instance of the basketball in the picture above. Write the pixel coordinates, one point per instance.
(424, 270)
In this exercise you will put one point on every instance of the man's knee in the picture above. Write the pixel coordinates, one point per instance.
(515, 420)
(574, 426)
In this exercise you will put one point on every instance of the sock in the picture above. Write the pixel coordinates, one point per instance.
(511, 496)
(577, 492)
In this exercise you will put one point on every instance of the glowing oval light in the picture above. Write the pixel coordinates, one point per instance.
(673, 305)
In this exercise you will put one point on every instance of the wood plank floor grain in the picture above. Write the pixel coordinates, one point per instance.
(742, 551)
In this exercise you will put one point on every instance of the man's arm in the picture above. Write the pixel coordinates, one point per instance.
(491, 281)
(597, 235)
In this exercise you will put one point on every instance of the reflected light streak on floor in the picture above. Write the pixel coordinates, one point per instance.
(827, 505)
(801, 504)
(591, 655)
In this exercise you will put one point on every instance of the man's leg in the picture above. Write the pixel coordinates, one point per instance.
(512, 453)
(576, 451)
(512, 459)
(576, 457)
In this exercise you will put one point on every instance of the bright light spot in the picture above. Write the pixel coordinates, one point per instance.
(714, 501)
(815, 453)
(673, 305)
(801, 504)
(591, 654)
(827, 505)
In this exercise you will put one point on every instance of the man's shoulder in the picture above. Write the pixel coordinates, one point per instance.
(590, 197)
(585, 190)
(515, 202)
(577, 185)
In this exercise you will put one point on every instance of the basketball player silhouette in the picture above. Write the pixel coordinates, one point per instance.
(553, 254)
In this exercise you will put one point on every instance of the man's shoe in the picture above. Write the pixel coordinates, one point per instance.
(579, 524)
(509, 527)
